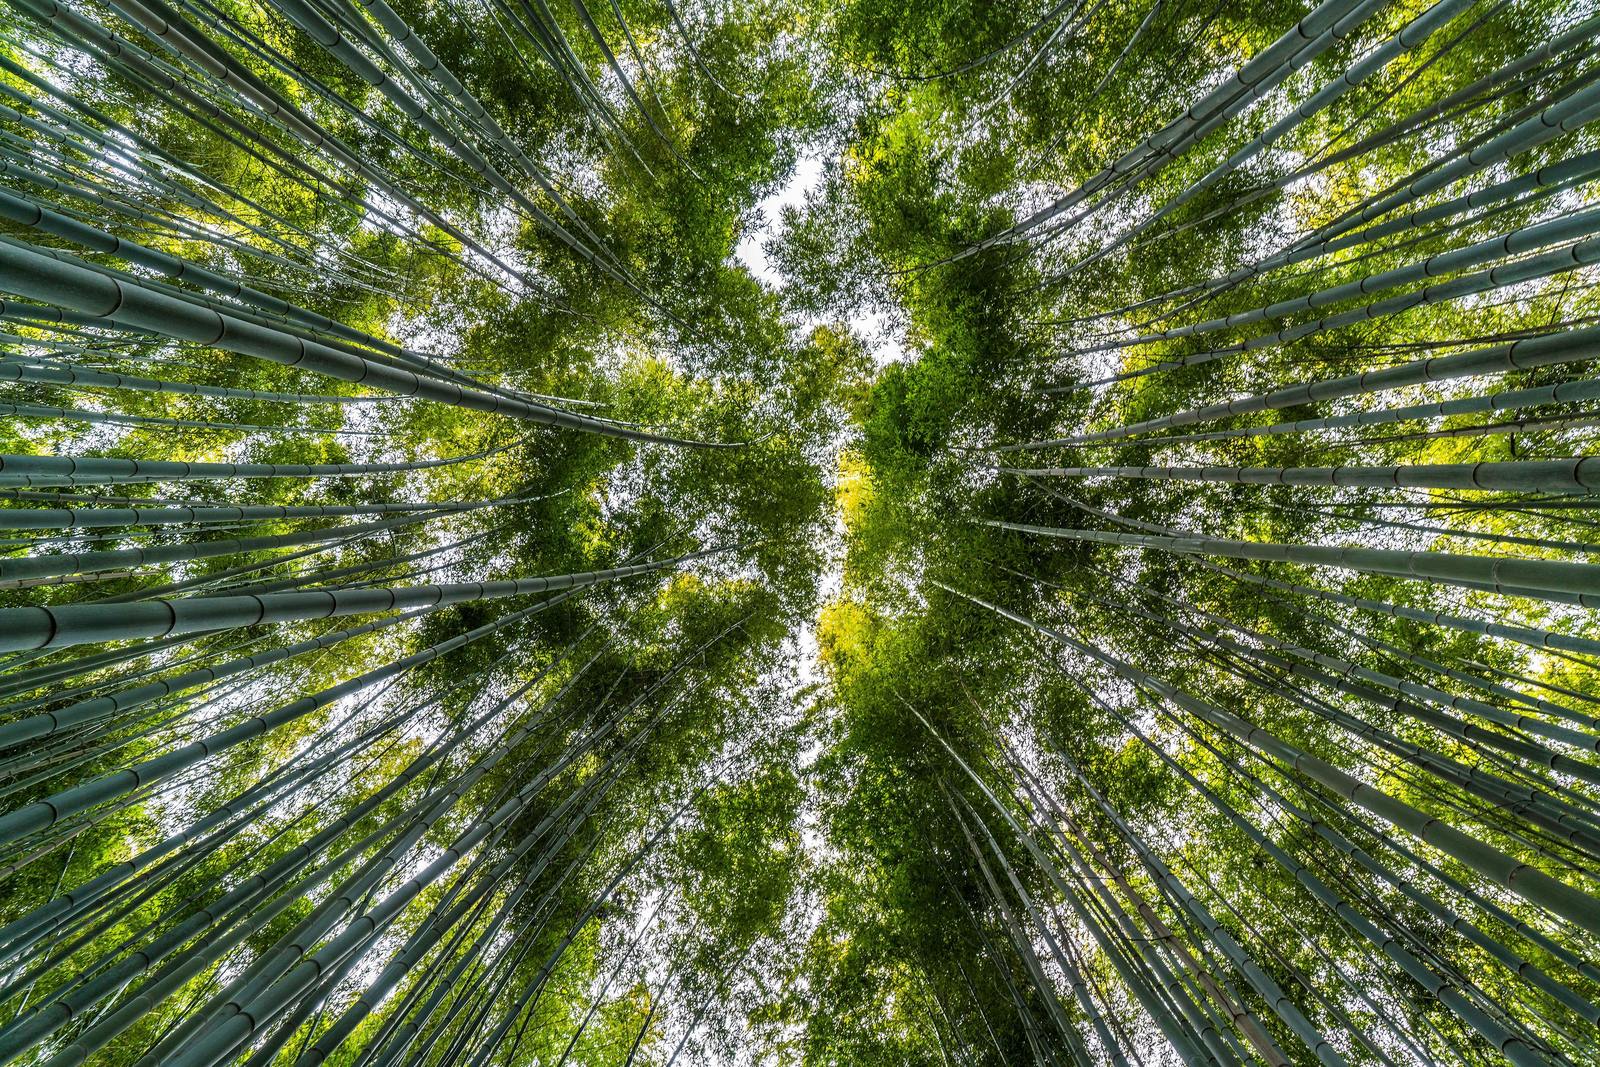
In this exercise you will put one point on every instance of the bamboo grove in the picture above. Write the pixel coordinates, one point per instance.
(797, 532)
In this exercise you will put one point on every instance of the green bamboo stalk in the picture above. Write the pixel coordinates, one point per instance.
(34, 274)
(72, 624)
(95, 518)
(1580, 473)
(1546, 579)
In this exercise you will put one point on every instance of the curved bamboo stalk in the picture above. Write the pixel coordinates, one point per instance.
(1581, 473)
(36, 275)
(63, 625)
(1547, 579)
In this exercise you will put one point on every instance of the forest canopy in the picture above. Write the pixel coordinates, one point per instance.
(544, 532)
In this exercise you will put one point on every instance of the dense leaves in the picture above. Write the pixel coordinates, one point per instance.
(828, 533)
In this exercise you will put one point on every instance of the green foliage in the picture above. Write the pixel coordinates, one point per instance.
(927, 729)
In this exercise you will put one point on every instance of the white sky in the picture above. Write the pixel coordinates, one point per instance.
(751, 251)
